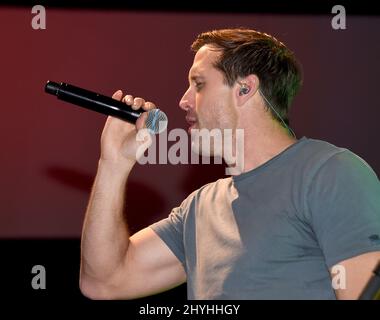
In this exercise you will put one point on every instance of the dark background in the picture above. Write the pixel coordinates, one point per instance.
(49, 149)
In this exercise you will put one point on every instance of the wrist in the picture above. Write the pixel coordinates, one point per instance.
(120, 168)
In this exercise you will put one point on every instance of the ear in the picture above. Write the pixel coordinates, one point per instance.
(246, 88)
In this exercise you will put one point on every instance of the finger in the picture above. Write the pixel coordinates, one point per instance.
(117, 95)
(138, 103)
(128, 99)
(149, 105)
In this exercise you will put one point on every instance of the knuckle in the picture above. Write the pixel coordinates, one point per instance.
(139, 100)
(128, 99)
(149, 105)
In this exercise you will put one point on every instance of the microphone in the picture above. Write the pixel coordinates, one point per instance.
(156, 122)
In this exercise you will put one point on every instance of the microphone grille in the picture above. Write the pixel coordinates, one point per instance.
(157, 121)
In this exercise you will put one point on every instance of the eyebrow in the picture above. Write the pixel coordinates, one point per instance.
(196, 76)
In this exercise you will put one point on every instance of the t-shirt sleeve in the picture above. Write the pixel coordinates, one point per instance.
(171, 229)
(344, 204)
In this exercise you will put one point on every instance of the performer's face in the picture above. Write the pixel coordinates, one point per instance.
(209, 101)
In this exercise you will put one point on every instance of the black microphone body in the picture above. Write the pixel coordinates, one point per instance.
(156, 122)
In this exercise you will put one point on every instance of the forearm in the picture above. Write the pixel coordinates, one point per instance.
(105, 235)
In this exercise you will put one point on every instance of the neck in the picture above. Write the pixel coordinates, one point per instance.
(262, 144)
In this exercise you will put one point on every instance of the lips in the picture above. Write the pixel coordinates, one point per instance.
(192, 121)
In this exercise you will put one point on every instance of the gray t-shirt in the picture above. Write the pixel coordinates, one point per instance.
(274, 232)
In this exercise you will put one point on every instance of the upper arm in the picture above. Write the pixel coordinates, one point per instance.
(344, 208)
(155, 258)
(149, 267)
(353, 274)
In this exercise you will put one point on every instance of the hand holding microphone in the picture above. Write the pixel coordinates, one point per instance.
(156, 121)
(118, 141)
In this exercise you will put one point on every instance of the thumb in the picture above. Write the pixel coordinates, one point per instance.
(144, 141)
(140, 123)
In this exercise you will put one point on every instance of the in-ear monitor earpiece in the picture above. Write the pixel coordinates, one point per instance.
(244, 89)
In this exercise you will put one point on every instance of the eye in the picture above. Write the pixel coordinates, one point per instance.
(198, 85)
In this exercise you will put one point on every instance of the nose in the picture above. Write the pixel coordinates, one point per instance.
(186, 101)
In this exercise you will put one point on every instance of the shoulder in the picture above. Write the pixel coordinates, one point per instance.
(323, 158)
(210, 189)
(333, 160)
(343, 176)
(348, 161)
(318, 152)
